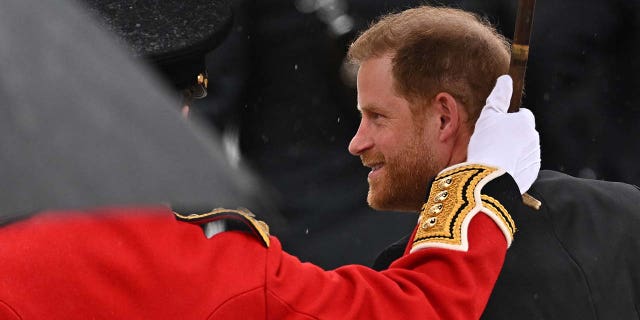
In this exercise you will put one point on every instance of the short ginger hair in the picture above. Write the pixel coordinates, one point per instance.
(437, 49)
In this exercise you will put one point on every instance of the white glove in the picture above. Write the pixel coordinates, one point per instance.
(214, 227)
(506, 140)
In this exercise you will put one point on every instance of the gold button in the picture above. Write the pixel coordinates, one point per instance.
(442, 196)
(437, 208)
(429, 223)
(445, 183)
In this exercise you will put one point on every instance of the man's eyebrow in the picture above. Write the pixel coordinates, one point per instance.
(370, 107)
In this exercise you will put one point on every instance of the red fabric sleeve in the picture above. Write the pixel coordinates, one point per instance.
(125, 263)
(428, 284)
(142, 264)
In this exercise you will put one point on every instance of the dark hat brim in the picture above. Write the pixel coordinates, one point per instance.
(175, 36)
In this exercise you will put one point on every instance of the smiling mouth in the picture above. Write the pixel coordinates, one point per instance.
(374, 162)
(374, 167)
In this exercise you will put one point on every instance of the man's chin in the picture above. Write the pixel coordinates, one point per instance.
(374, 201)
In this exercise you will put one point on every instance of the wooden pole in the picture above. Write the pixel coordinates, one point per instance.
(520, 51)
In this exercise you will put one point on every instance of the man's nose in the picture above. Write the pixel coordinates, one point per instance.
(360, 142)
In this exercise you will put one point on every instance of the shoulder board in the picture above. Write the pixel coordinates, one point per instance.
(243, 218)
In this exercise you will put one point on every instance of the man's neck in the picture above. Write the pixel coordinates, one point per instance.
(459, 151)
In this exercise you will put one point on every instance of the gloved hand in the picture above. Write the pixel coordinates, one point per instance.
(506, 140)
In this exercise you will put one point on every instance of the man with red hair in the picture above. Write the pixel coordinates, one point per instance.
(419, 136)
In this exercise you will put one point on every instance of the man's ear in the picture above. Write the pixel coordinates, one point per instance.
(449, 113)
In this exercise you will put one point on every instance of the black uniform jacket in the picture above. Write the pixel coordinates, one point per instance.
(577, 257)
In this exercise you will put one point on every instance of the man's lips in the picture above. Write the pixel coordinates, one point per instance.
(375, 168)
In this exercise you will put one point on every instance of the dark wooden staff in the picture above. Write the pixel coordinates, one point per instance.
(520, 51)
(518, 67)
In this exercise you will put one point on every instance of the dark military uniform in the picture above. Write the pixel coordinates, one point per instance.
(575, 258)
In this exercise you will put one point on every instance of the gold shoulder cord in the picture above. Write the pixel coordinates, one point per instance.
(453, 201)
(258, 227)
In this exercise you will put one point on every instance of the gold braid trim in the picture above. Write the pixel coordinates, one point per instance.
(258, 227)
(453, 201)
(496, 211)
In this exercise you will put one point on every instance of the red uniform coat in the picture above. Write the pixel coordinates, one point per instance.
(140, 263)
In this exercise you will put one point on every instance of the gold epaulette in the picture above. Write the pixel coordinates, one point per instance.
(454, 199)
(244, 216)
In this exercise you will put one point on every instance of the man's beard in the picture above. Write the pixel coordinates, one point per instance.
(403, 184)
